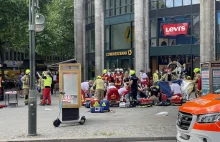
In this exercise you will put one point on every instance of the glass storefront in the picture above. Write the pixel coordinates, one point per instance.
(161, 63)
(118, 7)
(218, 27)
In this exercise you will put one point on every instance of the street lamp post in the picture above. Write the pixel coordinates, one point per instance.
(32, 107)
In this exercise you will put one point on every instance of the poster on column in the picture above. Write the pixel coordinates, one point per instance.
(70, 88)
(215, 79)
(205, 81)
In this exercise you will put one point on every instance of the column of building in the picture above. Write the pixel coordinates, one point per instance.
(79, 33)
(99, 36)
(207, 30)
(141, 24)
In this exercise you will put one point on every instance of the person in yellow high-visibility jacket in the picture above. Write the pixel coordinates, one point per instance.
(47, 86)
(155, 76)
(26, 85)
(99, 88)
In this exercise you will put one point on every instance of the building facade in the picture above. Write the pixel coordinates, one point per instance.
(144, 34)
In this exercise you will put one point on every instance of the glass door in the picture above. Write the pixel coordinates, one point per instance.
(125, 63)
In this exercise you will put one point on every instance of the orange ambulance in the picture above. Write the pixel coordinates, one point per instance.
(199, 119)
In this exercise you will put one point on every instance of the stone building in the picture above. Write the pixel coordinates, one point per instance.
(145, 34)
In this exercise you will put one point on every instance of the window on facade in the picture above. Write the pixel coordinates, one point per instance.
(177, 3)
(176, 30)
(186, 2)
(195, 1)
(196, 29)
(120, 36)
(153, 4)
(90, 11)
(218, 28)
(107, 38)
(169, 3)
(118, 7)
(90, 41)
(162, 3)
(153, 28)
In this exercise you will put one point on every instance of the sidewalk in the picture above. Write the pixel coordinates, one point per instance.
(128, 123)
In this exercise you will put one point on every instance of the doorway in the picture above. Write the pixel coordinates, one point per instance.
(118, 62)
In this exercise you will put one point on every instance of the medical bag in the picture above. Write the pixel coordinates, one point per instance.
(95, 103)
(176, 99)
(114, 103)
(105, 104)
(88, 102)
(145, 102)
(97, 109)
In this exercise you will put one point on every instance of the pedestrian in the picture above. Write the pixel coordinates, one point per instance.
(41, 85)
(20, 84)
(133, 82)
(47, 88)
(26, 85)
(99, 88)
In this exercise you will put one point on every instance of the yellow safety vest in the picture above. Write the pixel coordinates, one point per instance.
(155, 77)
(26, 82)
(48, 81)
(99, 84)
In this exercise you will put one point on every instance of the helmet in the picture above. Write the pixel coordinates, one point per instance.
(117, 69)
(27, 71)
(105, 71)
(99, 77)
(188, 77)
(121, 70)
(196, 70)
(43, 73)
(132, 72)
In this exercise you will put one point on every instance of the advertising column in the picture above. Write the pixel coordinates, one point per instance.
(205, 81)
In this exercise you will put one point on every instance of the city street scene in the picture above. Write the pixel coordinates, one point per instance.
(110, 70)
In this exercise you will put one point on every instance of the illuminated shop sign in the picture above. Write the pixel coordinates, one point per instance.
(175, 29)
(121, 53)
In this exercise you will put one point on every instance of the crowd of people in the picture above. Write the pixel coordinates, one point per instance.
(131, 86)
(45, 83)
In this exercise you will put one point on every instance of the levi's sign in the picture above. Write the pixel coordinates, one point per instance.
(175, 29)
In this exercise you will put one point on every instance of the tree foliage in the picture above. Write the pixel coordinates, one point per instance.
(58, 36)
(56, 39)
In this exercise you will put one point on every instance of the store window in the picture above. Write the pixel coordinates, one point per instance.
(107, 38)
(162, 3)
(153, 4)
(120, 36)
(153, 28)
(175, 30)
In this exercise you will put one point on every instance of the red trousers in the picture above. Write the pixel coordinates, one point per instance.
(118, 86)
(111, 92)
(46, 96)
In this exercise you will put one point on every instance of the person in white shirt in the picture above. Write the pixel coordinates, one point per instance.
(143, 78)
(175, 88)
(85, 87)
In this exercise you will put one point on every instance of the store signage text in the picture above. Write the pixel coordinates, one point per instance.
(175, 29)
(122, 53)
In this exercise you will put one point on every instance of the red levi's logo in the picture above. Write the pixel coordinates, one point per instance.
(175, 29)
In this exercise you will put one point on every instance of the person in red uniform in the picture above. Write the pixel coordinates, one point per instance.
(105, 77)
(118, 80)
(199, 85)
(112, 93)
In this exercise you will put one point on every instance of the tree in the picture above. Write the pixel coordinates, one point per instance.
(57, 38)
(13, 25)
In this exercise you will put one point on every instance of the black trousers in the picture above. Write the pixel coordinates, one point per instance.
(52, 87)
(134, 94)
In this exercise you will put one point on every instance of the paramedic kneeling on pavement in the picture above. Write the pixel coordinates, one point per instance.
(85, 88)
(47, 86)
(112, 93)
(99, 88)
(175, 89)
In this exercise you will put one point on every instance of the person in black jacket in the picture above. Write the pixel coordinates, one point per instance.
(134, 84)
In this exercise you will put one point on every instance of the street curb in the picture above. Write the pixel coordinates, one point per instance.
(97, 139)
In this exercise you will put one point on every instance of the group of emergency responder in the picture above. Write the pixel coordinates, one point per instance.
(119, 85)
(44, 83)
